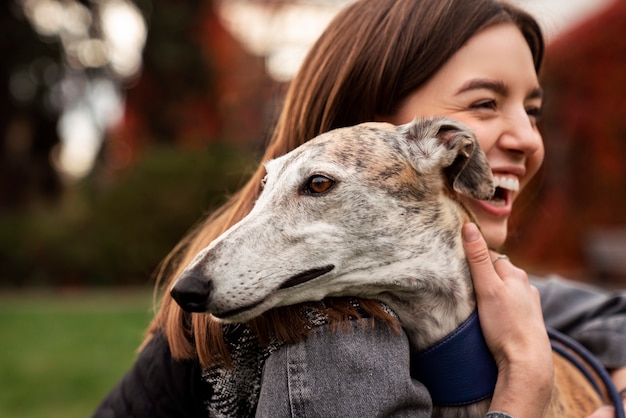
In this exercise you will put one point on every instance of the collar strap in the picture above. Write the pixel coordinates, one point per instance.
(580, 357)
(459, 369)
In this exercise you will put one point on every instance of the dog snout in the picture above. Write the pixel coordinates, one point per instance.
(191, 291)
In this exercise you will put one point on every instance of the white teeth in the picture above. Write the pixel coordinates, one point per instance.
(509, 183)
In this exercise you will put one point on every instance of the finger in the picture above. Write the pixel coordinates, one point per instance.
(603, 412)
(478, 257)
(503, 266)
(498, 257)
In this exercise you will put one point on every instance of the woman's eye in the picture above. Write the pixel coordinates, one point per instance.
(485, 104)
(318, 184)
(534, 113)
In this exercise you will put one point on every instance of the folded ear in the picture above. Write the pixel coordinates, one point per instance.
(449, 145)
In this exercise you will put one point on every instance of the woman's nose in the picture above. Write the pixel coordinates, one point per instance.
(521, 135)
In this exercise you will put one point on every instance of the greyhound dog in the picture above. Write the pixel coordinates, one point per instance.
(368, 211)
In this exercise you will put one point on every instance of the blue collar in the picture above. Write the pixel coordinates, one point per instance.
(459, 369)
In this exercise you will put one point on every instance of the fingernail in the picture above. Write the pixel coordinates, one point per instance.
(470, 232)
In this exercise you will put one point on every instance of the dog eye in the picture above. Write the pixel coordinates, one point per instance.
(263, 182)
(318, 184)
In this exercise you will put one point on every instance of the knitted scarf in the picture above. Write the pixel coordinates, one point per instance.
(234, 392)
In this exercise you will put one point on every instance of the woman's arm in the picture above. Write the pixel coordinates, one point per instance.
(155, 386)
(354, 372)
(594, 317)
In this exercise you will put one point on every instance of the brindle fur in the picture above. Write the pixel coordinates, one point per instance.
(389, 227)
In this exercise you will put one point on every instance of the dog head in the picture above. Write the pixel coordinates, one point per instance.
(356, 211)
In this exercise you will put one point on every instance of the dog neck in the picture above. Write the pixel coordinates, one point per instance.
(440, 295)
(428, 315)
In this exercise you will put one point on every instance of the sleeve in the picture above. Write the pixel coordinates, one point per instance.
(155, 386)
(359, 371)
(594, 317)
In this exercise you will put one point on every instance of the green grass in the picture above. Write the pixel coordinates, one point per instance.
(61, 353)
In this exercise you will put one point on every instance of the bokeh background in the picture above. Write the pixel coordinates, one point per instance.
(123, 122)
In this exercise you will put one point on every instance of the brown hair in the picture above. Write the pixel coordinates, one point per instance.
(369, 59)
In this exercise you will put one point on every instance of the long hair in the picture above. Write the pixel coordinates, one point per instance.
(372, 56)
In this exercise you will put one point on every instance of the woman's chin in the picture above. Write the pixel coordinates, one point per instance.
(492, 220)
(495, 233)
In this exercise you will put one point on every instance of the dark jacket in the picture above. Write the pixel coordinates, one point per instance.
(157, 386)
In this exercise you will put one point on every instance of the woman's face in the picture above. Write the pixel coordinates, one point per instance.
(490, 84)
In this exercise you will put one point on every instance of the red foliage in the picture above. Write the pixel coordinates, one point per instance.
(198, 84)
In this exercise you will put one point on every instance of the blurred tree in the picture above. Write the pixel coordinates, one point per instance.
(194, 116)
(198, 84)
(582, 189)
(27, 118)
(118, 234)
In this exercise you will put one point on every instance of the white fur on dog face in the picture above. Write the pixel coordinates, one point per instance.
(387, 226)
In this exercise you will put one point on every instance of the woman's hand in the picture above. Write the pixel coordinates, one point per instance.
(619, 378)
(512, 322)
(603, 412)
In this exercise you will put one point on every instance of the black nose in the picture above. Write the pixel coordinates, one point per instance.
(191, 291)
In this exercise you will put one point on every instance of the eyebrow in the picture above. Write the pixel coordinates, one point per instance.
(497, 87)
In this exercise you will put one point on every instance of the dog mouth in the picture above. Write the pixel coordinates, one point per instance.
(225, 316)
(306, 276)
(295, 280)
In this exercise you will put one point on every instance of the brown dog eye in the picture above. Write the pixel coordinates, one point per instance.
(318, 184)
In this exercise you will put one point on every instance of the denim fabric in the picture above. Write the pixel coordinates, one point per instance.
(360, 373)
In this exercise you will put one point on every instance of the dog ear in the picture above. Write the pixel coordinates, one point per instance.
(450, 145)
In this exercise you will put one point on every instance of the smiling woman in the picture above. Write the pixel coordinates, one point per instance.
(490, 84)
(391, 60)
